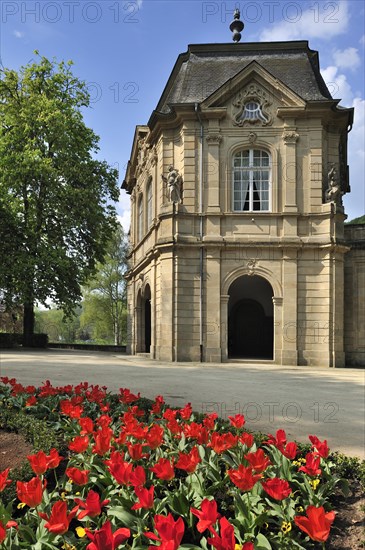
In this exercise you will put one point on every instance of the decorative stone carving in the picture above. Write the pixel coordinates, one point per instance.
(142, 151)
(252, 137)
(251, 266)
(214, 139)
(334, 192)
(290, 136)
(173, 183)
(252, 93)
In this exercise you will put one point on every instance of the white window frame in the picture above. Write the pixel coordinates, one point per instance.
(244, 181)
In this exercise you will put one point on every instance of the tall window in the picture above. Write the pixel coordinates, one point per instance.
(149, 203)
(140, 218)
(251, 181)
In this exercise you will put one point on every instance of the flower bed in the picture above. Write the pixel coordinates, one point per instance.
(139, 475)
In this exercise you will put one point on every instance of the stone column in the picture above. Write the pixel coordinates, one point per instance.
(212, 304)
(290, 308)
(278, 329)
(290, 138)
(224, 326)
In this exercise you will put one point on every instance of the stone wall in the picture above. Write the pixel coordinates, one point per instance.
(354, 308)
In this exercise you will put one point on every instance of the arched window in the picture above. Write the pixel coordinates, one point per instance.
(251, 181)
(140, 219)
(149, 203)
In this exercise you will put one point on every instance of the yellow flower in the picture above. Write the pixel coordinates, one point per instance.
(237, 547)
(314, 483)
(81, 533)
(21, 505)
(67, 546)
(300, 509)
(285, 527)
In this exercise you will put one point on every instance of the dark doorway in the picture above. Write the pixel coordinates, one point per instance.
(147, 325)
(147, 319)
(250, 320)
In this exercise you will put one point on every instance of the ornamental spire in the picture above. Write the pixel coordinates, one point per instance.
(236, 26)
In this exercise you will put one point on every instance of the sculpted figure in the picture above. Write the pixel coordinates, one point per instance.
(173, 182)
(334, 191)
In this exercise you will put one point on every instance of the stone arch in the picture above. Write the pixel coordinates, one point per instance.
(267, 312)
(143, 329)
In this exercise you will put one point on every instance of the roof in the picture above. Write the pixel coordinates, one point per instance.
(204, 68)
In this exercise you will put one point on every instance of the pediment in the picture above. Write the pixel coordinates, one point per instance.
(253, 85)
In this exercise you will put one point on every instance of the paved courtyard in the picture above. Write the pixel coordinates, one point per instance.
(326, 402)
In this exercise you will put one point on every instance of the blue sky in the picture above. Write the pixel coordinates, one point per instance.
(125, 51)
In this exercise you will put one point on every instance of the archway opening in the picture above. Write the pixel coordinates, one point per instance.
(250, 318)
(147, 319)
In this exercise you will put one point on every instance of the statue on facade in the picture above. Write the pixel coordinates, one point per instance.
(174, 184)
(334, 192)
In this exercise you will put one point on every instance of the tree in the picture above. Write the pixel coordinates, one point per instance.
(56, 198)
(105, 295)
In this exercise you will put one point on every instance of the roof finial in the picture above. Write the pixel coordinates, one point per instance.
(236, 26)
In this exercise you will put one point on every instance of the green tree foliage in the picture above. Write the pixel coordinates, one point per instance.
(59, 329)
(358, 221)
(56, 199)
(104, 306)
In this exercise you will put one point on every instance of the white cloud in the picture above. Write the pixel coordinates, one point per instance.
(347, 59)
(338, 85)
(18, 34)
(124, 216)
(320, 21)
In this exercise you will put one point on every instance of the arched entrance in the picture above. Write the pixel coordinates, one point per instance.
(147, 319)
(143, 318)
(250, 318)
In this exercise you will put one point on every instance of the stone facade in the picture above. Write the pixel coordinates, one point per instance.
(237, 229)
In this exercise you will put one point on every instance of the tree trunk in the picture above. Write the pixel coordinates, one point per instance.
(28, 325)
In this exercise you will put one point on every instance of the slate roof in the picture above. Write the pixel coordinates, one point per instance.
(204, 68)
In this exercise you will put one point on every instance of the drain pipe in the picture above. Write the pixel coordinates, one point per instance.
(200, 232)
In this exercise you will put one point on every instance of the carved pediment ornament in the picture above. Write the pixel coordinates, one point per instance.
(251, 266)
(252, 137)
(290, 136)
(214, 138)
(252, 106)
(333, 192)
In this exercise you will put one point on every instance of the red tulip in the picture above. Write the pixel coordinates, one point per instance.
(105, 539)
(154, 438)
(316, 524)
(164, 469)
(208, 515)
(243, 477)
(59, 520)
(222, 442)
(87, 425)
(79, 444)
(170, 532)
(209, 420)
(145, 497)
(31, 492)
(38, 462)
(188, 461)
(186, 412)
(4, 481)
(258, 460)
(246, 439)
(121, 471)
(79, 477)
(277, 488)
(102, 440)
(138, 477)
(290, 450)
(237, 421)
(226, 539)
(53, 459)
(311, 467)
(92, 505)
(321, 446)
